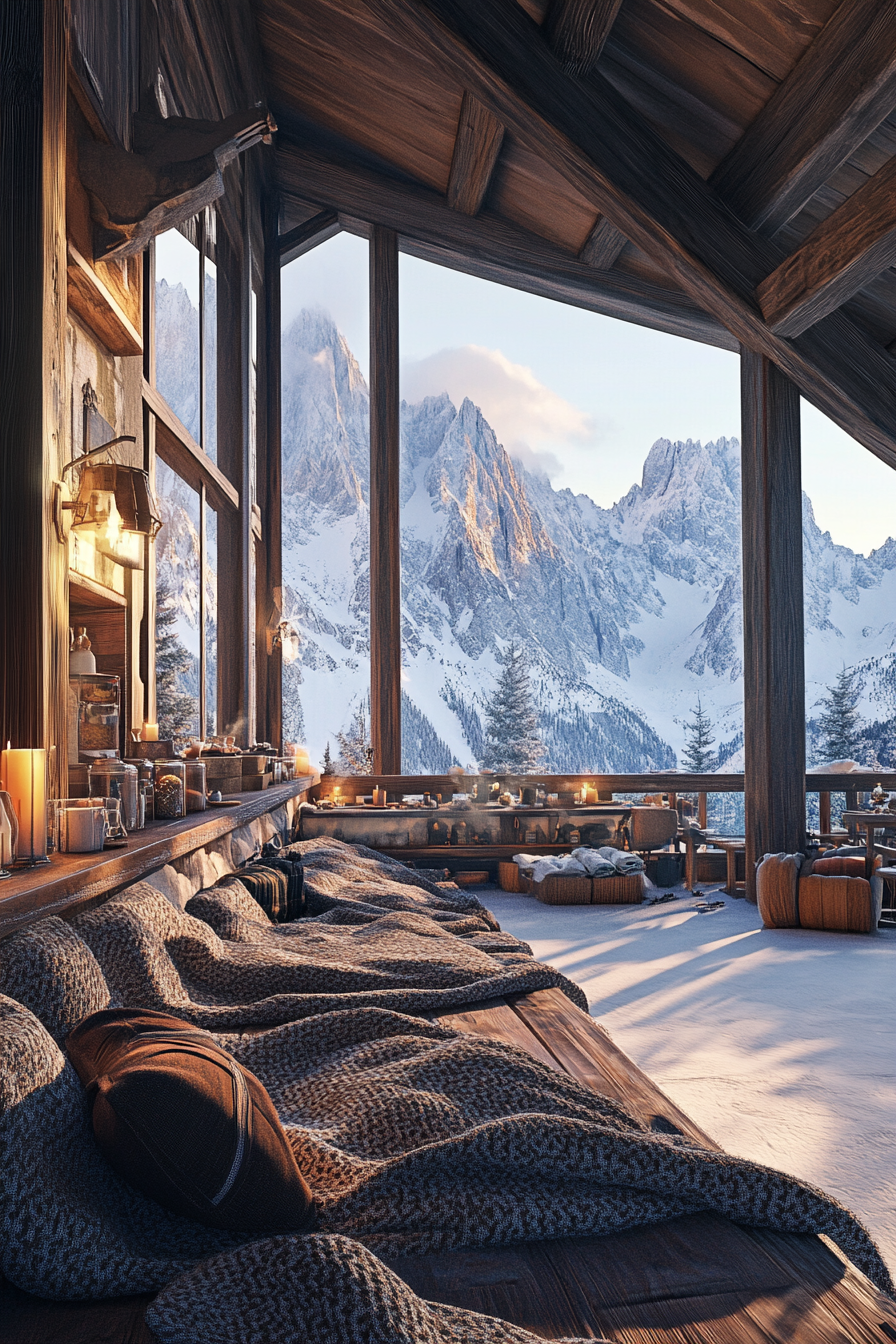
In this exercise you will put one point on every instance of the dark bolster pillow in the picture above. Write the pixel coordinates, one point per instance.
(182, 1121)
(278, 885)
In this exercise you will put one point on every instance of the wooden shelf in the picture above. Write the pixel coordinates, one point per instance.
(73, 882)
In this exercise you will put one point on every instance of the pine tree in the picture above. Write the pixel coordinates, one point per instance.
(177, 712)
(512, 744)
(840, 725)
(697, 757)
(327, 766)
(355, 747)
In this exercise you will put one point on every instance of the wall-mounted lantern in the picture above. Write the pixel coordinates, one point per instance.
(114, 503)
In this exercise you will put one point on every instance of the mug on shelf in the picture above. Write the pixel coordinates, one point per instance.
(80, 825)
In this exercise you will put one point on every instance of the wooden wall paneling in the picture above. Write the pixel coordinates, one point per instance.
(385, 555)
(486, 246)
(33, 565)
(661, 205)
(578, 29)
(847, 250)
(774, 674)
(843, 87)
(476, 150)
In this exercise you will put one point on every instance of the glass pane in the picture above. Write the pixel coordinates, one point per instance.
(326, 472)
(210, 358)
(570, 536)
(177, 607)
(177, 327)
(211, 621)
(849, 558)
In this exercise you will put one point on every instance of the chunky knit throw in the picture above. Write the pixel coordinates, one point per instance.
(155, 956)
(314, 1290)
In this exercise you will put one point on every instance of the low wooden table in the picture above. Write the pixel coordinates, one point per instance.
(734, 846)
(693, 1280)
(869, 822)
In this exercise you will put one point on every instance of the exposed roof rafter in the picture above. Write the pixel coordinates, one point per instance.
(845, 252)
(476, 150)
(603, 245)
(837, 94)
(577, 31)
(311, 233)
(486, 246)
(608, 153)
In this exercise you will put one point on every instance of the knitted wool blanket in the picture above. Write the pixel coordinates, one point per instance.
(156, 956)
(412, 1136)
(351, 883)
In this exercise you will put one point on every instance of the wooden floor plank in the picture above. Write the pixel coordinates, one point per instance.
(585, 1050)
(497, 1020)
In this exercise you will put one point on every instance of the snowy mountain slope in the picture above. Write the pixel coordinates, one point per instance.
(626, 614)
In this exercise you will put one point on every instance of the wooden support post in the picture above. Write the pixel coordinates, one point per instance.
(270, 676)
(774, 676)
(701, 811)
(385, 557)
(824, 814)
(33, 441)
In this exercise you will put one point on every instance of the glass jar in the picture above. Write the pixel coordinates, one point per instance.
(116, 779)
(194, 778)
(170, 786)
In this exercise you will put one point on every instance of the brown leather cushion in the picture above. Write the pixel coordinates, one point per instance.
(842, 866)
(836, 903)
(178, 1118)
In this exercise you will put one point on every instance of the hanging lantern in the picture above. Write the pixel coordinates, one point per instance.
(116, 505)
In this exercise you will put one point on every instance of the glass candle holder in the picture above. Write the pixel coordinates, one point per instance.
(170, 790)
(195, 782)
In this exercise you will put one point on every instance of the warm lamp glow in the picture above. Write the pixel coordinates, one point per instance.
(116, 504)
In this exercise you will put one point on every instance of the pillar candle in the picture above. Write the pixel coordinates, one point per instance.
(303, 761)
(25, 780)
(150, 732)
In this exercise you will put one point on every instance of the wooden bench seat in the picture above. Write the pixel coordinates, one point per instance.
(694, 1280)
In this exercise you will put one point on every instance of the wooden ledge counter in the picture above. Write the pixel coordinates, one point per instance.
(73, 882)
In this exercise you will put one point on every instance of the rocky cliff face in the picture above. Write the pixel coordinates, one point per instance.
(626, 613)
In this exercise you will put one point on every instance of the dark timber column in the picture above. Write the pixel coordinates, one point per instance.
(270, 607)
(774, 678)
(33, 564)
(385, 561)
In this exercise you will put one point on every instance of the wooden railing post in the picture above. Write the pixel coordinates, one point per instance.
(824, 814)
(774, 675)
(385, 555)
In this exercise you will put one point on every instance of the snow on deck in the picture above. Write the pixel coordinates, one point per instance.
(780, 1043)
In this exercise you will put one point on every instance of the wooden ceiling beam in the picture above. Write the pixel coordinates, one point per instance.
(603, 245)
(577, 30)
(487, 246)
(476, 150)
(842, 255)
(608, 153)
(840, 90)
(307, 235)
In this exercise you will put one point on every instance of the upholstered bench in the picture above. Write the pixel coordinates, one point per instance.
(829, 893)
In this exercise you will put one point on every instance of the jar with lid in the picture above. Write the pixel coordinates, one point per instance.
(169, 781)
(115, 779)
(194, 779)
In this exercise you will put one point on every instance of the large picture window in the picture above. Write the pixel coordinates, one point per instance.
(186, 327)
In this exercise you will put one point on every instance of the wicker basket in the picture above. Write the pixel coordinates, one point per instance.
(511, 879)
(476, 879)
(563, 890)
(626, 889)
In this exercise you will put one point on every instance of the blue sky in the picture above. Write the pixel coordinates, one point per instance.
(576, 395)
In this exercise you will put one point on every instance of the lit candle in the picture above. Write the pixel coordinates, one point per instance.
(25, 780)
(150, 732)
(303, 761)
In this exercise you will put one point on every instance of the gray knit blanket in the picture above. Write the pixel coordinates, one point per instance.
(413, 1137)
(156, 956)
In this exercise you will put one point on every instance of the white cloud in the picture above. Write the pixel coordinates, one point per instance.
(527, 417)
